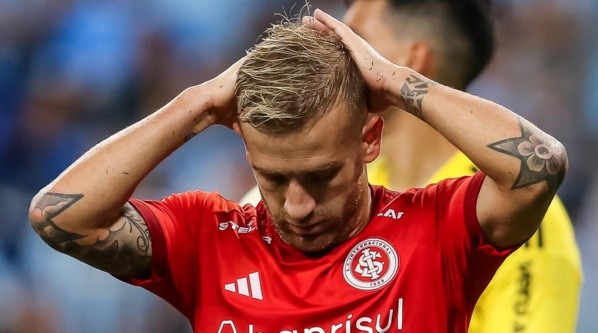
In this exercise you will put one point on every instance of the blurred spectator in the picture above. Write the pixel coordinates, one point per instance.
(77, 75)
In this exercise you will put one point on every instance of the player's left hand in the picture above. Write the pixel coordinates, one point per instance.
(222, 99)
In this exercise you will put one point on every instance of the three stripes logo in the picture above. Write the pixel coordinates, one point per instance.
(250, 286)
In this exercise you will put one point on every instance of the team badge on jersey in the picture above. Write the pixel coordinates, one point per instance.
(371, 264)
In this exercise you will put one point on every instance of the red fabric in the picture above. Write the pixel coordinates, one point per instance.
(225, 268)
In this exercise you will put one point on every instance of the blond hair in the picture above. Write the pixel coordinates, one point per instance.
(294, 77)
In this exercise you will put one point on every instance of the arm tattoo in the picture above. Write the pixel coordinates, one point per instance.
(123, 249)
(413, 91)
(540, 160)
(51, 205)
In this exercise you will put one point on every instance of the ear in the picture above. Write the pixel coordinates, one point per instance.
(422, 58)
(237, 128)
(372, 137)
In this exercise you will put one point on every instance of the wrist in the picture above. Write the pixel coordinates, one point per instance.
(410, 90)
(195, 107)
(184, 116)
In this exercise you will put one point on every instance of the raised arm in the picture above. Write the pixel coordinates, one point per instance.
(84, 212)
(524, 165)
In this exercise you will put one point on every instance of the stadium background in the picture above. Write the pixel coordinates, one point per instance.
(74, 71)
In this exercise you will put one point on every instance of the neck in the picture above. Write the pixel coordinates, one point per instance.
(413, 151)
(365, 213)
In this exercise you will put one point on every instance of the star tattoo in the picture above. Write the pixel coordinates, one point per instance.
(539, 160)
(123, 248)
(51, 205)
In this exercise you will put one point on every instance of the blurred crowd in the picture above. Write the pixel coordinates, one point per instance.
(72, 72)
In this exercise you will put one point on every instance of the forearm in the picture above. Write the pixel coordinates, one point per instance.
(99, 183)
(493, 137)
(524, 165)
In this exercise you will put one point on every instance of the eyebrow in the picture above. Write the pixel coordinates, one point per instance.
(321, 168)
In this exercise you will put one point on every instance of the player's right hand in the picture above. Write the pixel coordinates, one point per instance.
(222, 100)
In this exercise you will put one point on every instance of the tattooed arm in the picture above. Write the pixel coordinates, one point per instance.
(123, 248)
(524, 166)
(84, 212)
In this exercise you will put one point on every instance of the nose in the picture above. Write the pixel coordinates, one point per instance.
(298, 204)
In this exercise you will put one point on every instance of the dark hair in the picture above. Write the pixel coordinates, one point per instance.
(469, 20)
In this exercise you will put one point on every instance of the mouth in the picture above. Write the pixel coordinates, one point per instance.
(306, 229)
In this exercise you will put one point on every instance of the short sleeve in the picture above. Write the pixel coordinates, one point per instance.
(175, 225)
(469, 261)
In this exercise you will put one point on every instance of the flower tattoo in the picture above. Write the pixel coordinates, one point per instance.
(539, 156)
(539, 160)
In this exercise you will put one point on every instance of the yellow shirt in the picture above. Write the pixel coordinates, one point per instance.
(537, 288)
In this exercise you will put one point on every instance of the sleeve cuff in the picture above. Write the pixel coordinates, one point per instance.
(159, 251)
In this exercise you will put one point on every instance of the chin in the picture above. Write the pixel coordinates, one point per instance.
(308, 244)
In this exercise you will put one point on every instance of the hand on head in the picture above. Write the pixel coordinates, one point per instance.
(222, 100)
(378, 72)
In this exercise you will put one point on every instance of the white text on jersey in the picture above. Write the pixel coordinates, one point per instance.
(234, 226)
(392, 214)
(373, 324)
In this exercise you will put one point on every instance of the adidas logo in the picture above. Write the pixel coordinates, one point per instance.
(252, 289)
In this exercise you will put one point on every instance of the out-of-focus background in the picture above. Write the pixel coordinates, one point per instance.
(74, 71)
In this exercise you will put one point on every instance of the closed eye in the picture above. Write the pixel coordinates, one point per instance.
(323, 176)
(274, 178)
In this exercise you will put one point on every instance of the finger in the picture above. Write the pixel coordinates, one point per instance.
(331, 23)
(351, 40)
(312, 23)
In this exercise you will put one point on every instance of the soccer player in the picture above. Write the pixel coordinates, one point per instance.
(324, 251)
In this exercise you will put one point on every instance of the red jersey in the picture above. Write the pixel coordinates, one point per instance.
(418, 266)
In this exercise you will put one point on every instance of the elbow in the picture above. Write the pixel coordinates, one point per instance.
(557, 166)
(36, 215)
(40, 219)
(47, 218)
